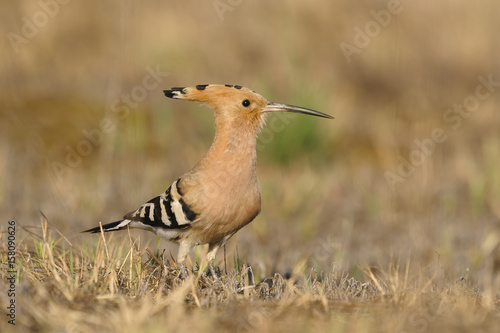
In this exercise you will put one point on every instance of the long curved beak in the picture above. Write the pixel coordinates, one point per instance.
(274, 107)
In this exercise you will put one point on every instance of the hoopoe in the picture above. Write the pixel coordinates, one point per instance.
(220, 195)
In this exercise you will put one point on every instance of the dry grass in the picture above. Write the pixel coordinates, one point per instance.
(344, 252)
(116, 286)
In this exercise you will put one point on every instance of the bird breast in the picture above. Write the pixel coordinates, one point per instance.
(227, 199)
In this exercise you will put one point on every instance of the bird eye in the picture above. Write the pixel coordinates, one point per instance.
(245, 103)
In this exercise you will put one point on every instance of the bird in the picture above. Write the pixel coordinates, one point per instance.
(220, 194)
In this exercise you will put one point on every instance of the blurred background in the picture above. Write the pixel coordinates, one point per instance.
(407, 171)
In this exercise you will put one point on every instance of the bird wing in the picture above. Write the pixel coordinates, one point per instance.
(167, 210)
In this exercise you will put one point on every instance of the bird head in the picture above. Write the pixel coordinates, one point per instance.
(236, 104)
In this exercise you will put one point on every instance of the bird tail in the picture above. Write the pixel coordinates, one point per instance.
(117, 225)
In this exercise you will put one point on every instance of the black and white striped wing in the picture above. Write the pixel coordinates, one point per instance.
(167, 210)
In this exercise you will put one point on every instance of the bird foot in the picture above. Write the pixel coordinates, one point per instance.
(183, 271)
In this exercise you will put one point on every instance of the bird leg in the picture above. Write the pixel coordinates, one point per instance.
(212, 252)
(212, 269)
(184, 249)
